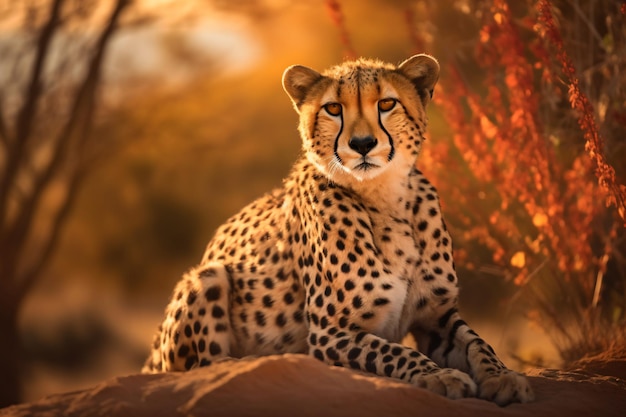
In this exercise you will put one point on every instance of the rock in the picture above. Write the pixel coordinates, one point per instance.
(297, 385)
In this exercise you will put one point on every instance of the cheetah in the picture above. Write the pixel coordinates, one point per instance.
(348, 257)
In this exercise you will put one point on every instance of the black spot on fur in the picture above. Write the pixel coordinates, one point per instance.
(218, 312)
(213, 293)
(215, 348)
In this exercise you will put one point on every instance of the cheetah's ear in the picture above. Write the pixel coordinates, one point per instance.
(297, 81)
(423, 71)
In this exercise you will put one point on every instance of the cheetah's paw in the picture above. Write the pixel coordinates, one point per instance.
(450, 383)
(506, 387)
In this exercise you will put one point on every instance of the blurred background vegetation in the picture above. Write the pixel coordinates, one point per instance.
(147, 123)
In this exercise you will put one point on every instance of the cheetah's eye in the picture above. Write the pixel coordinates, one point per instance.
(386, 104)
(334, 109)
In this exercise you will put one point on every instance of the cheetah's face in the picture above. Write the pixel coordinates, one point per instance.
(362, 118)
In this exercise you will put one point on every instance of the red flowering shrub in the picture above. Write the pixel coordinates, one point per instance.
(527, 167)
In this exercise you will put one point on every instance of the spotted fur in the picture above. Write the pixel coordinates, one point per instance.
(349, 256)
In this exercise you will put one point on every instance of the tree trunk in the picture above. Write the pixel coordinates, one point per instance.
(10, 357)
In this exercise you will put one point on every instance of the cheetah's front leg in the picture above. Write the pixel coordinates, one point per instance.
(367, 352)
(341, 332)
(454, 344)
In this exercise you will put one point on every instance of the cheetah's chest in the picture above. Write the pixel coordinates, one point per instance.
(415, 249)
(402, 258)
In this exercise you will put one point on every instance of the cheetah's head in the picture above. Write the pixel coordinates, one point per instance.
(362, 118)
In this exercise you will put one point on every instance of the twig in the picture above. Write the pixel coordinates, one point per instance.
(580, 102)
(336, 16)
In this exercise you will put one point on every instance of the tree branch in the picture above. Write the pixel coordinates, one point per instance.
(77, 129)
(24, 125)
(29, 278)
(4, 133)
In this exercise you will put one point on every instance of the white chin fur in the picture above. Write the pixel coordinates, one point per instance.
(338, 171)
(363, 170)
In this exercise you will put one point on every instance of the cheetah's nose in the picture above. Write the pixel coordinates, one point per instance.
(362, 145)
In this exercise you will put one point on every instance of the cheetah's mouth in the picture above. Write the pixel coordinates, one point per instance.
(365, 166)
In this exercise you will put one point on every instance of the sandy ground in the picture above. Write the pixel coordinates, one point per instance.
(296, 385)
